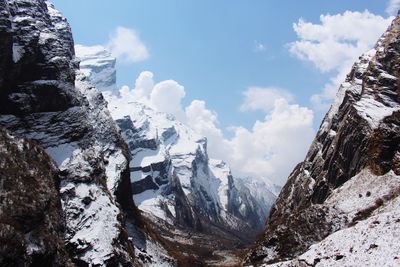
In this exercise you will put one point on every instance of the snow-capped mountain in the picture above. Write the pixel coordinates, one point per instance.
(176, 184)
(170, 167)
(173, 180)
(340, 207)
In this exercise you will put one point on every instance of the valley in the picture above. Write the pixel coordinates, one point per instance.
(94, 175)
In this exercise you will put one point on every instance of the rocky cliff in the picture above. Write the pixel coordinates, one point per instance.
(346, 192)
(173, 178)
(44, 97)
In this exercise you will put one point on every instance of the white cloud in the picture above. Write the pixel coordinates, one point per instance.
(270, 149)
(144, 84)
(258, 98)
(166, 96)
(205, 122)
(259, 47)
(338, 39)
(393, 7)
(274, 145)
(334, 45)
(126, 46)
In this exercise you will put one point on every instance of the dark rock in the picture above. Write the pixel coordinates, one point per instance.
(144, 184)
(31, 219)
(37, 69)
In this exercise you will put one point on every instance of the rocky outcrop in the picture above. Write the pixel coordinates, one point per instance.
(32, 224)
(37, 67)
(45, 98)
(358, 144)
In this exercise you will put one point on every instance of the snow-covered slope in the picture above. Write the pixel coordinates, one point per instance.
(372, 204)
(262, 193)
(181, 190)
(97, 64)
(345, 194)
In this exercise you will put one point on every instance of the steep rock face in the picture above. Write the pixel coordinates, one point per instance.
(44, 98)
(249, 190)
(36, 58)
(356, 151)
(31, 219)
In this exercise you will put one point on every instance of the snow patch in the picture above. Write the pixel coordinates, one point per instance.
(115, 166)
(18, 52)
(373, 111)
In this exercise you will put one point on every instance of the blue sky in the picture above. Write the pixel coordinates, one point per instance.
(209, 46)
(217, 50)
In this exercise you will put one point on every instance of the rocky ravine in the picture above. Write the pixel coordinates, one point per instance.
(44, 97)
(346, 192)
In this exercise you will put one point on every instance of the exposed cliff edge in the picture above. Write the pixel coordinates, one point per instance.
(44, 97)
(346, 192)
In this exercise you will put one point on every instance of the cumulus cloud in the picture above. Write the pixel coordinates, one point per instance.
(270, 149)
(334, 44)
(205, 122)
(338, 38)
(166, 96)
(258, 98)
(126, 46)
(144, 84)
(393, 7)
(274, 145)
